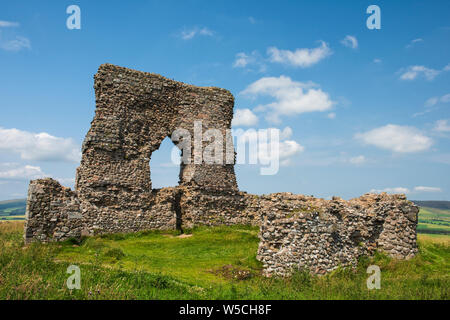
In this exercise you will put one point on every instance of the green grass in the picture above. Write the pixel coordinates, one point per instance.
(206, 265)
(191, 259)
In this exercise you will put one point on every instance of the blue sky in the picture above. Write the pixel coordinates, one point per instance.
(364, 109)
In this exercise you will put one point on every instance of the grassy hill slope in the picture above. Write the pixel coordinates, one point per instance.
(434, 221)
(208, 263)
(13, 209)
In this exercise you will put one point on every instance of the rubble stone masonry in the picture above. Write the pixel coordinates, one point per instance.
(306, 233)
(135, 112)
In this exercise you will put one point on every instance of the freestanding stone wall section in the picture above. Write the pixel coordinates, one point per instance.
(306, 233)
(135, 112)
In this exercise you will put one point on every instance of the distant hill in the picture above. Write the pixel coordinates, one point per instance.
(436, 204)
(13, 209)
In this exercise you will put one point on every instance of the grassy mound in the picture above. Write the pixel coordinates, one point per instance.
(206, 263)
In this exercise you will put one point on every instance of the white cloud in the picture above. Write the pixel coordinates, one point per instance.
(302, 58)
(445, 98)
(244, 117)
(434, 100)
(6, 24)
(413, 42)
(190, 33)
(427, 189)
(291, 97)
(68, 182)
(376, 60)
(391, 190)
(350, 41)
(442, 126)
(400, 139)
(39, 146)
(286, 148)
(412, 72)
(286, 133)
(252, 20)
(331, 115)
(244, 60)
(357, 160)
(431, 102)
(14, 172)
(26, 172)
(16, 44)
(417, 189)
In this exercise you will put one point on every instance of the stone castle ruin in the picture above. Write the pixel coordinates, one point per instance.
(135, 112)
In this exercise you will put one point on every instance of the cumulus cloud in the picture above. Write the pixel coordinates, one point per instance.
(14, 172)
(350, 41)
(427, 189)
(26, 172)
(39, 146)
(302, 58)
(399, 139)
(391, 190)
(442, 126)
(190, 33)
(290, 97)
(244, 117)
(357, 160)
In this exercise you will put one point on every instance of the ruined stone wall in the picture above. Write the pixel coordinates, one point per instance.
(300, 232)
(135, 112)
(53, 212)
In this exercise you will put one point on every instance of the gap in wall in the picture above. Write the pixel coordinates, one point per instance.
(163, 171)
